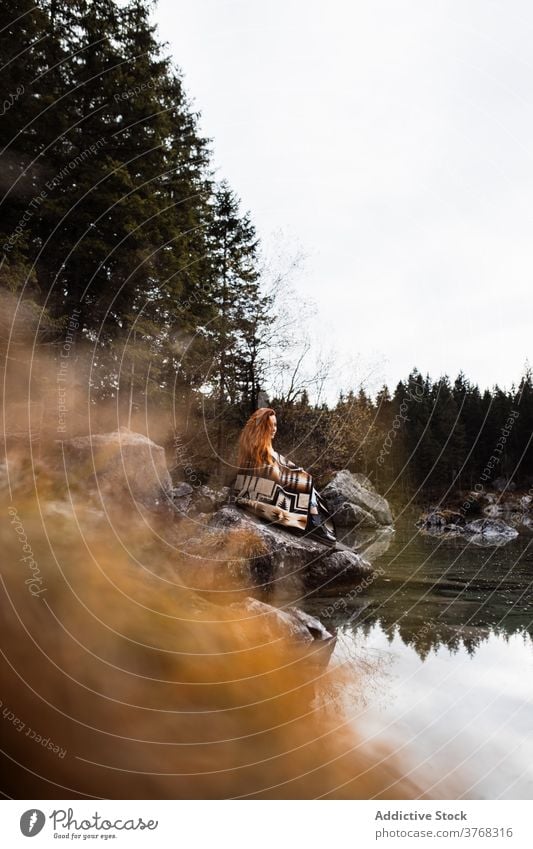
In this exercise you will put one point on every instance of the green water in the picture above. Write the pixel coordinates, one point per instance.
(443, 639)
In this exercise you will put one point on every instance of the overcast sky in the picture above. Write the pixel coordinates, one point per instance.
(393, 143)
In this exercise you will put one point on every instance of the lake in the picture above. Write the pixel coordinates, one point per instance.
(443, 640)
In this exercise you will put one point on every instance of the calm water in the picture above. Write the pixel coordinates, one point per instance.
(444, 642)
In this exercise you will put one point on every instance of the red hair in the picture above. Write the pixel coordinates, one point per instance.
(256, 439)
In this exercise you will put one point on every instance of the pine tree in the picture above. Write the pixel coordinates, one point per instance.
(21, 25)
(240, 307)
(448, 431)
(522, 434)
(124, 178)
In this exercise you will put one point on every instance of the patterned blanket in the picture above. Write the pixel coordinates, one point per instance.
(281, 493)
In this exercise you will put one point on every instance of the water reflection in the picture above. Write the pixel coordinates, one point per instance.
(461, 721)
(437, 591)
(371, 544)
(446, 630)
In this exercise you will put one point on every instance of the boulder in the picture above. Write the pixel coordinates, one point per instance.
(280, 555)
(122, 463)
(302, 630)
(290, 622)
(337, 569)
(353, 501)
(437, 520)
(493, 530)
(350, 515)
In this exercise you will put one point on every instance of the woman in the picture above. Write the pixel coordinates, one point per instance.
(274, 488)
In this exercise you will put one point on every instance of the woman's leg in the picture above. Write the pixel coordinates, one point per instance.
(315, 525)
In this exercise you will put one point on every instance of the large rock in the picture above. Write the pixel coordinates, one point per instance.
(440, 519)
(354, 502)
(350, 515)
(492, 530)
(292, 624)
(279, 555)
(118, 464)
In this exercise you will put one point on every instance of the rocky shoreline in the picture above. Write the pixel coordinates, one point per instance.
(226, 549)
(484, 518)
(228, 553)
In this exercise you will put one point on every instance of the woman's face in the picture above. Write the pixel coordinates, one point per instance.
(273, 425)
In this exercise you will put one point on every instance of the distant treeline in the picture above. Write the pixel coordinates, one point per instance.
(426, 438)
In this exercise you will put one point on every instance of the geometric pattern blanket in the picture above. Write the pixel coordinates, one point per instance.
(280, 494)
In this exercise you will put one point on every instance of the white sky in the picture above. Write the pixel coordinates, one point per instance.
(393, 143)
